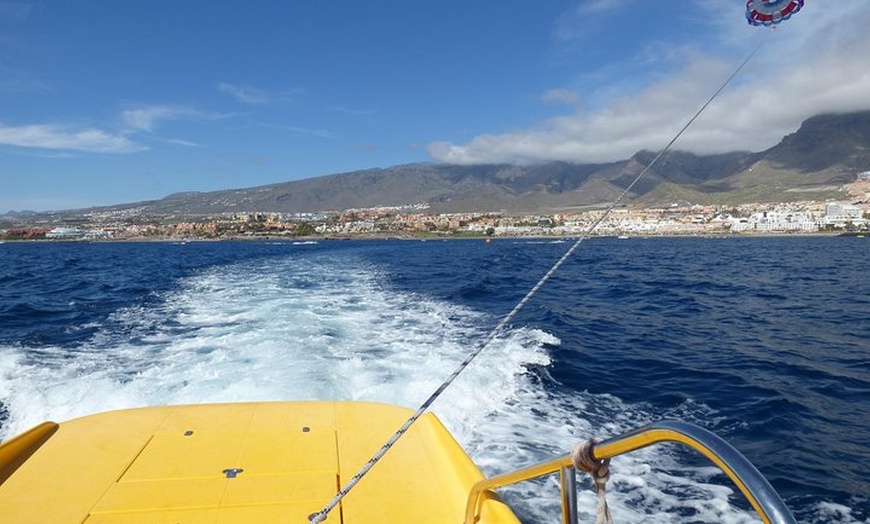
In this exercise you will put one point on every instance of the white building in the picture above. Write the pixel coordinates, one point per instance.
(781, 218)
(841, 214)
(75, 233)
(66, 232)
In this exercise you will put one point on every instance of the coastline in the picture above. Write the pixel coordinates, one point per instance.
(423, 237)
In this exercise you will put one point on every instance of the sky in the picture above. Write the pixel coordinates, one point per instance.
(105, 102)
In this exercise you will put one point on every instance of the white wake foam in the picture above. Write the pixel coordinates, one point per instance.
(313, 327)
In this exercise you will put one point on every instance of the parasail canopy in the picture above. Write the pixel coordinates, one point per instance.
(771, 12)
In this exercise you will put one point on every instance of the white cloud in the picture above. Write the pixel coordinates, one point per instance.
(579, 21)
(245, 94)
(93, 140)
(818, 63)
(180, 142)
(257, 97)
(297, 130)
(561, 96)
(149, 117)
(600, 6)
(351, 111)
(58, 137)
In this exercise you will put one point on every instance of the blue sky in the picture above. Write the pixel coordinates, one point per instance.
(105, 102)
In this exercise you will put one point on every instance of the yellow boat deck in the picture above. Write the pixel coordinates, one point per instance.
(240, 463)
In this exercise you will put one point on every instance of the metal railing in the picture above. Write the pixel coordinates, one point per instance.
(758, 491)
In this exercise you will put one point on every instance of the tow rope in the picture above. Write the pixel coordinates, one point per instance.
(321, 515)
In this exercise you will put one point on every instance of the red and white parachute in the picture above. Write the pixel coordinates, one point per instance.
(771, 12)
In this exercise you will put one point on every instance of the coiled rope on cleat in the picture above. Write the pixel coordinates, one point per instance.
(599, 470)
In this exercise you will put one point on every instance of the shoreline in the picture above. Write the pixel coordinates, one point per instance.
(421, 237)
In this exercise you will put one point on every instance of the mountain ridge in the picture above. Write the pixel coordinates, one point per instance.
(826, 152)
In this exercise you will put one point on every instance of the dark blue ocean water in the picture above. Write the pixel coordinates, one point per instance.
(765, 341)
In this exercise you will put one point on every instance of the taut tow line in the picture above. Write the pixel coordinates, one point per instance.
(321, 515)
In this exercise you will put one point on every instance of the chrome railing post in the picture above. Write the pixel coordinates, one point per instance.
(754, 486)
(568, 482)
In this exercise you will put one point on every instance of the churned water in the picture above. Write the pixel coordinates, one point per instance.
(761, 340)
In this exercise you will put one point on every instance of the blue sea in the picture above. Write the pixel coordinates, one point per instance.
(765, 341)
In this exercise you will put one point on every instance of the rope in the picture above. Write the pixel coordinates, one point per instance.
(321, 515)
(600, 472)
